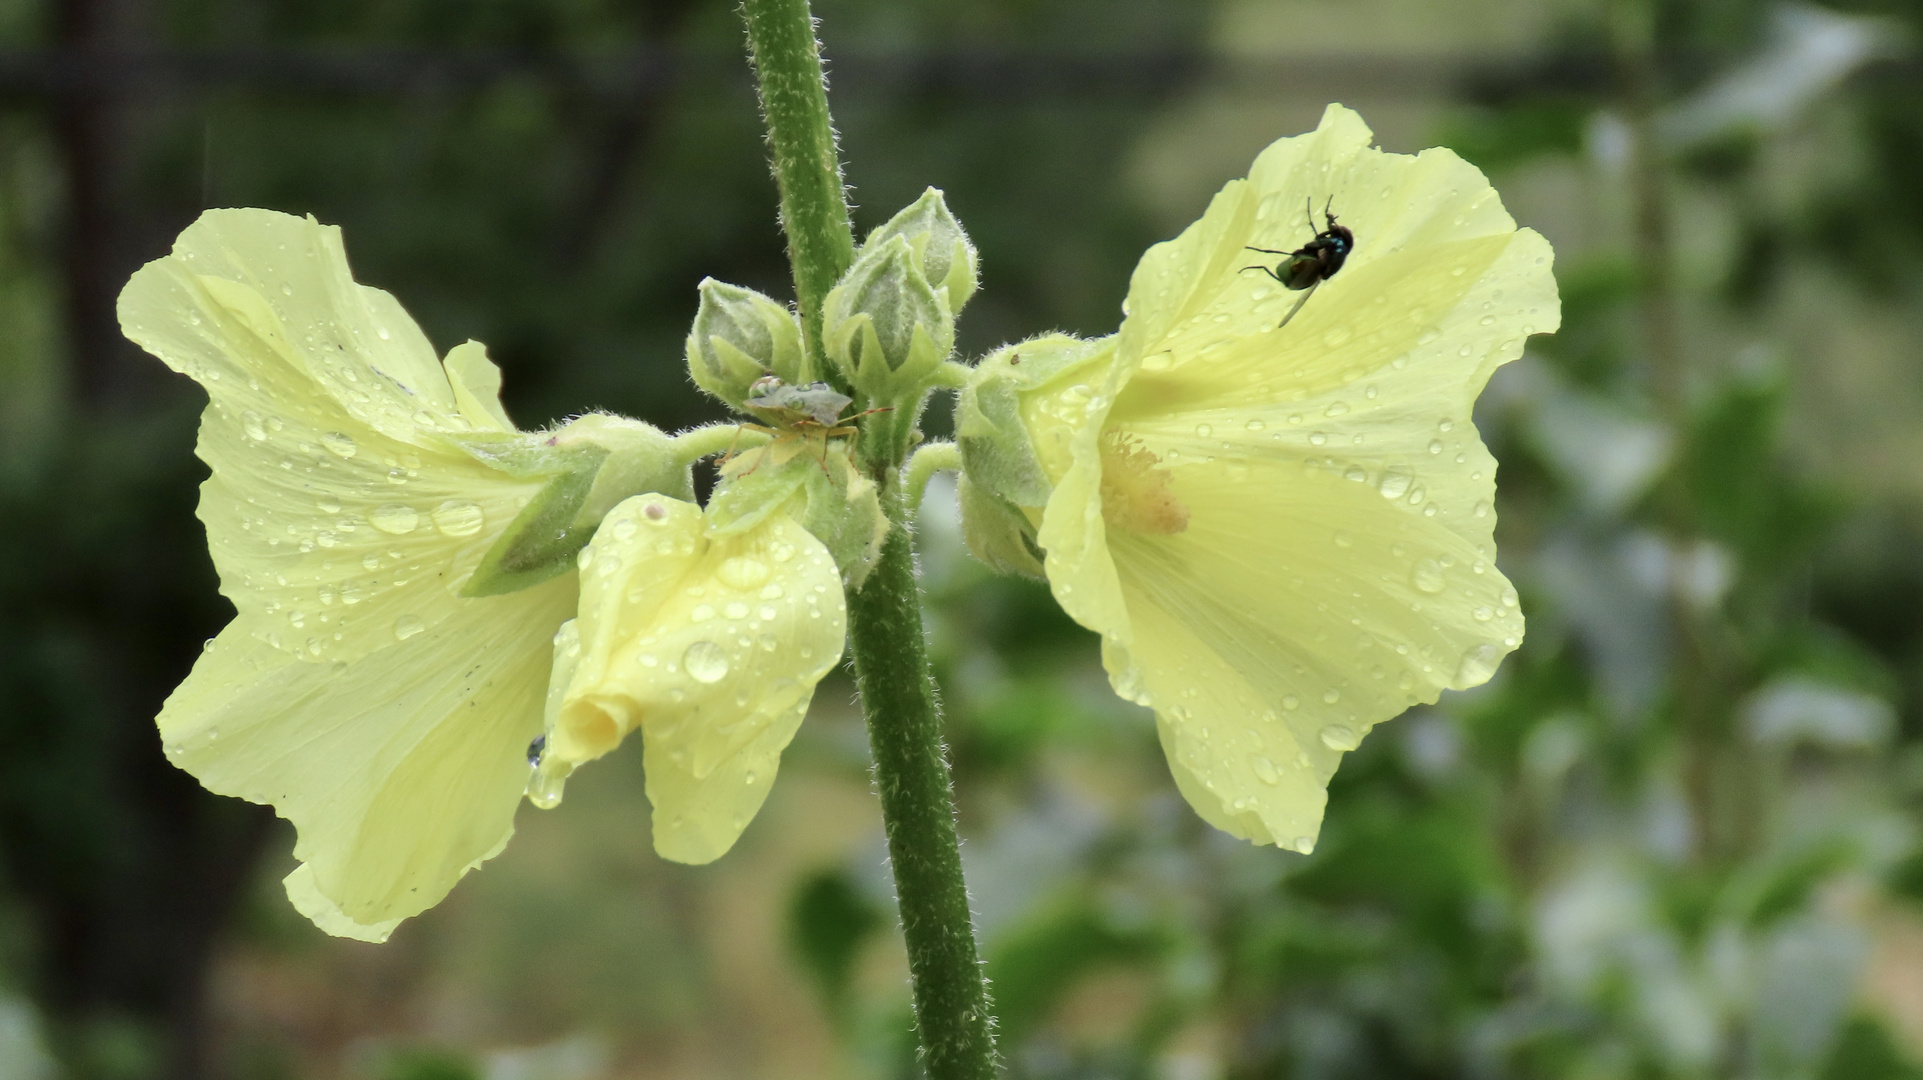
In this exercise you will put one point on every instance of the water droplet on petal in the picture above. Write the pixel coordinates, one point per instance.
(743, 573)
(1394, 484)
(705, 662)
(1331, 696)
(398, 519)
(1478, 664)
(327, 504)
(1427, 576)
(1291, 702)
(1340, 737)
(340, 444)
(250, 422)
(1305, 844)
(458, 517)
(624, 529)
(1483, 613)
(545, 785)
(407, 626)
(1266, 772)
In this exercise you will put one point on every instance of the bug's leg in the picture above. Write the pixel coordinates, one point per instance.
(1298, 305)
(1266, 270)
(1308, 208)
(1266, 251)
(739, 428)
(1325, 211)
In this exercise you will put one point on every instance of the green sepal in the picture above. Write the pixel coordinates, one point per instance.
(997, 532)
(545, 536)
(996, 452)
(941, 248)
(594, 462)
(825, 493)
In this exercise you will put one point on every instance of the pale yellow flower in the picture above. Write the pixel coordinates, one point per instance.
(356, 691)
(710, 646)
(1284, 533)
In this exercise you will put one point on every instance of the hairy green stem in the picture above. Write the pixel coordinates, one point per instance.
(918, 811)
(884, 618)
(710, 439)
(932, 458)
(801, 139)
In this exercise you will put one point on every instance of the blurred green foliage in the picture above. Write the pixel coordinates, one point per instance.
(1672, 839)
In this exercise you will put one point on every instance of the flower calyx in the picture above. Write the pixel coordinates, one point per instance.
(741, 336)
(591, 464)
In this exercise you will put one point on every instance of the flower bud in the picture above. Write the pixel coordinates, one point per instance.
(739, 336)
(886, 328)
(941, 249)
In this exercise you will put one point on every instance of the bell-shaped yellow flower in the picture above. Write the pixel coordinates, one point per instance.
(711, 645)
(357, 691)
(1284, 533)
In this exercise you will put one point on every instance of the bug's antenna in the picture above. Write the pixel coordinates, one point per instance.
(1308, 208)
(1325, 211)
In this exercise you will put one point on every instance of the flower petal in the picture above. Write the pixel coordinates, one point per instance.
(1273, 633)
(336, 523)
(712, 646)
(401, 770)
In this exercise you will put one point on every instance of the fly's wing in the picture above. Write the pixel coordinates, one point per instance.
(1298, 305)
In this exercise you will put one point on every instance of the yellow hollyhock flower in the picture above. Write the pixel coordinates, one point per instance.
(711, 645)
(1284, 533)
(357, 691)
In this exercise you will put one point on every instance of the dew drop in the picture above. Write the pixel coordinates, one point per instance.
(705, 662)
(1256, 425)
(1427, 577)
(1317, 438)
(737, 610)
(743, 573)
(327, 504)
(1291, 702)
(1204, 431)
(1340, 737)
(1509, 597)
(1266, 772)
(250, 422)
(458, 517)
(1394, 484)
(1483, 613)
(625, 529)
(407, 626)
(1331, 696)
(1477, 665)
(340, 444)
(545, 785)
(1435, 446)
(398, 519)
(1305, 844)
(1338, 408)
